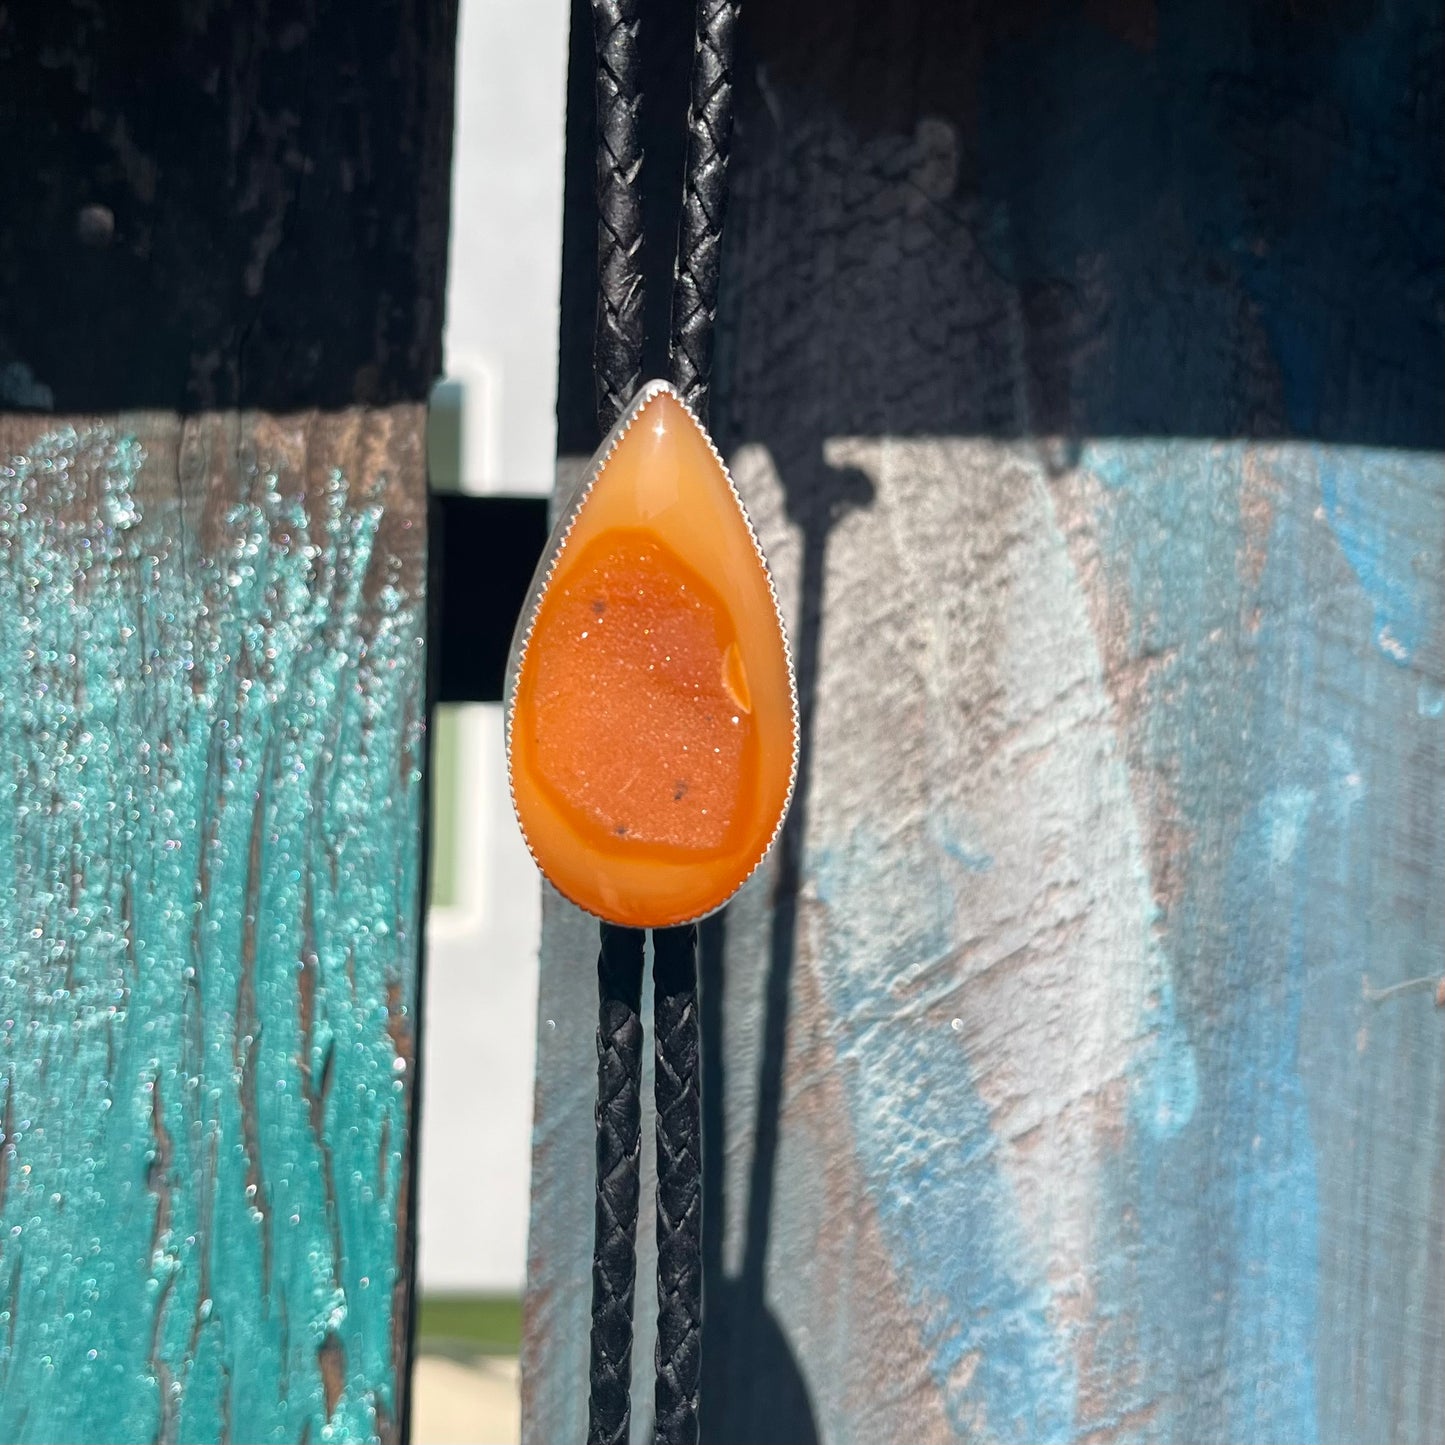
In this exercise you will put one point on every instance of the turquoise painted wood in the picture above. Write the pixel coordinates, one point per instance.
(1083, 370)
(211, 730)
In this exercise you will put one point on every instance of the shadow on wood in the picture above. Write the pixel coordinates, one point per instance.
(753, 1388)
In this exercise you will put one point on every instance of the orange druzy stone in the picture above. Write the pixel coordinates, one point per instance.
(652, 728)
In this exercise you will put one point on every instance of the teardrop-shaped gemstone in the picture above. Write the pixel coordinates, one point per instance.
(652, 726)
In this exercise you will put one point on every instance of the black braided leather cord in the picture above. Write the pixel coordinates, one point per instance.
(704, 198)
(618, 345)
(619, 1141)
(679, 1184)
(617, 363)
(674, 967)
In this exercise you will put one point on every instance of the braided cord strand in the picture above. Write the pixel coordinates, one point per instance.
(618, 370)
(679, 1184)
(704, 200)
(617, 353)
(617, 365)
(675, 1004)
(619, 1148)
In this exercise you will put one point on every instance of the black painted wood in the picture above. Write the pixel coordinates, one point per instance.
(223, 204)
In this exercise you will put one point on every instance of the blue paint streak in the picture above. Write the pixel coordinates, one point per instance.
(1164, 1074)
(1268, 1153)
(945, 832)
(1223, 1272)
(1220, 1270)
(1382, 539)
(932, 1159)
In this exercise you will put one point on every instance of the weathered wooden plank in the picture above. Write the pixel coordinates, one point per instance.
(221, 275)
(228, 205)
(1083, 375)
(211, 705)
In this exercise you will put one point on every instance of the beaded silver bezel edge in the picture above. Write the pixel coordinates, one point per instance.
(526, 621)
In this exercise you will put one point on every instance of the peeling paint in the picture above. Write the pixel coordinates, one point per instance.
(212, 893)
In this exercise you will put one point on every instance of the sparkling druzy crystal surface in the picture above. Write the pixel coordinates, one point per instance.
(652, 729)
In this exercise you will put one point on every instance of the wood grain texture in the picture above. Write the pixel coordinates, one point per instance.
(235, 205)
(1082, 374)
(211, 733)
(222, 266)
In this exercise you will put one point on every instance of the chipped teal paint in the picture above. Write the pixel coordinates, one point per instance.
(209, 736)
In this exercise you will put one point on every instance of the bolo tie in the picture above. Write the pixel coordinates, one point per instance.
(652, 716)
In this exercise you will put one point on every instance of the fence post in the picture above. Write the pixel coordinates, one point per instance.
(221, 286)
(1083, 374)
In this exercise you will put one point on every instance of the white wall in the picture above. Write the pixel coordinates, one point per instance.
(501, 344)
